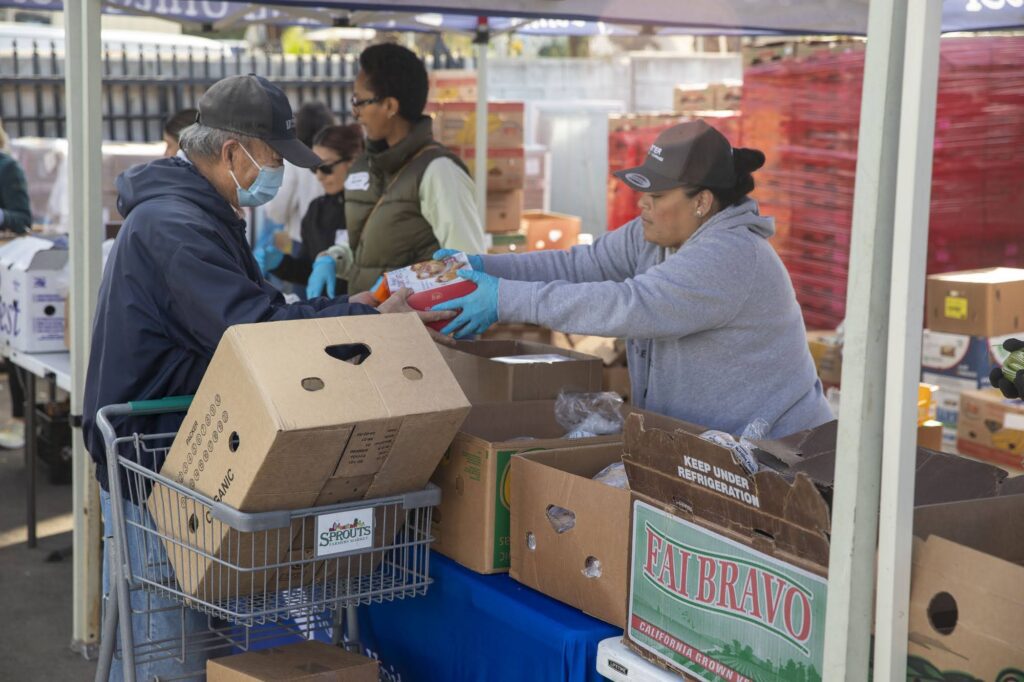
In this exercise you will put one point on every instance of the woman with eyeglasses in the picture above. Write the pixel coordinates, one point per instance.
(323, 225)
(407, 195)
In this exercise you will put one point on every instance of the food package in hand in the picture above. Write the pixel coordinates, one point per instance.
(432, 282)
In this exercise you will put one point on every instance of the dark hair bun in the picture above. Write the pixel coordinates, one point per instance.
(747, 160)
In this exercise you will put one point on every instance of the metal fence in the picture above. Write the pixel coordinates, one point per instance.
(142, 87)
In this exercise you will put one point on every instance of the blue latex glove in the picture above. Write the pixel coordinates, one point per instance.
(475, 262)
(322, 280)
(268, 258)
(479, 310)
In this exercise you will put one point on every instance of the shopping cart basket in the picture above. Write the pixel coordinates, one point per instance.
(255, 576)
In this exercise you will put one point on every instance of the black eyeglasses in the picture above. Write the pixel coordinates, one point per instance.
(327, 168)
(360, 103)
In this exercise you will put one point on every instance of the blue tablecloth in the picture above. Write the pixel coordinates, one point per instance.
(476, 627)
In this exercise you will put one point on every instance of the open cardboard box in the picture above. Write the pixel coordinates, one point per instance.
(292, 415)
(487, 380)
(473, 521)
(300, 662)
(584, 564)
(719, 556)
(967, 591)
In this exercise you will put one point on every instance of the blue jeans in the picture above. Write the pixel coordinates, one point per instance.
(163, 624)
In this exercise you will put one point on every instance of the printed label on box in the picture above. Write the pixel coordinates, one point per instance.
(956, 308)
(344, 532)
(720, 610)
(429, 274)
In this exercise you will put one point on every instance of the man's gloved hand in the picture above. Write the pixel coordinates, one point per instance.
(478, 310)
(268, 258)
(475, 262)
(1012, 388)
(322, 281)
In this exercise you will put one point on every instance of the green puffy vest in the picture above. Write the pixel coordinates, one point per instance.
(386, 229)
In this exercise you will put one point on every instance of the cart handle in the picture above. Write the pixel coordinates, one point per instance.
(177, 403)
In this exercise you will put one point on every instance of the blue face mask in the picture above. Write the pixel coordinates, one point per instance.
(263, 188)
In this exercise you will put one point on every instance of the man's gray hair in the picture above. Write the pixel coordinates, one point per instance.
(203, 142)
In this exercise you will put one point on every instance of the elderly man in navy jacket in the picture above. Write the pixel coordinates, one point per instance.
(181, 272)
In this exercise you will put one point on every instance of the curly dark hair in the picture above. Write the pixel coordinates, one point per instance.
(394, 71)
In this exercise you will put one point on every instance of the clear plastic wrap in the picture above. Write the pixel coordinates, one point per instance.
(614, 475)
(742, 449)
(585, 415)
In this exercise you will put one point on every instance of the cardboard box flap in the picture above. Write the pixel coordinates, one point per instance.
(703, 481)
(982, 276)
(498, 423)
(989, 525)
(503, 348)
(316, 383)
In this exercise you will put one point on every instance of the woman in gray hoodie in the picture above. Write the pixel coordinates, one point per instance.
(715, 333)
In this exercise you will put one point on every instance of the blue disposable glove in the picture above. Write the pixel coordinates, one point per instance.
(479, 310)
(475, 262)
(268, 258)
(322, 280)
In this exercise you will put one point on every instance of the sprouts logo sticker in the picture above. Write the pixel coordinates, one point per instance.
(343, 532)
(640, 181)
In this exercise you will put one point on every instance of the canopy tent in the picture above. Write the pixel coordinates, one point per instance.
(883, 338)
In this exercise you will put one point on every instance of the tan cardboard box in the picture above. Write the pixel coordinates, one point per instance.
(298, 414)
(929, 435)
(828, 357)
(695, 97)
(455, 124)
(504, 211)
(453, 85)
(300, 662)
(991, 428)
(616, 380)
(988, 302)
(966, 601)
(549, 231)
(507, 242)
(505, 167)
(472, 523)
(496, 371)
(586, 565)
(728, 95)
(530, 333)
(612, 351)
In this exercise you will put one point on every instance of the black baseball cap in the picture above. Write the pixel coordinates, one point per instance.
(689, 154)
(253, 106)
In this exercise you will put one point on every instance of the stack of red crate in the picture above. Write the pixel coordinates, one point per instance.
(804, 114)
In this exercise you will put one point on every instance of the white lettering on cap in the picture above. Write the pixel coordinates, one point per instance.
(656, 152)
(289, 124)
(640, 181)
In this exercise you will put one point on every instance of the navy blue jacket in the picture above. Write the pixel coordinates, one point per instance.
(179, 275)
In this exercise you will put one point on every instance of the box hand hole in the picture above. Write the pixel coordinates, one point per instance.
(592, 567)
(234, 441)
(561, 519)
(352, 353)
(313, 384)
(943, 613)
(412, 374)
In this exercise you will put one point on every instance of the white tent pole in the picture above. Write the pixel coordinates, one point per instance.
(859, 446)
(480, 172)
(83, 94)
(906, 309)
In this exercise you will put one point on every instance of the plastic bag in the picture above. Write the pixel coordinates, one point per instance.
(614, 475)
(561, 519)
(743, 449)
(585, 415)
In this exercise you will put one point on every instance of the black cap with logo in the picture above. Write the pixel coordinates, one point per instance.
(253, 106)
(690, 154)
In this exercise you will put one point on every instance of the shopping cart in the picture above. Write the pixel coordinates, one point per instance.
(256, 577)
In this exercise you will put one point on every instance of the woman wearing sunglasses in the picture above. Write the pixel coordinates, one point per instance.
(407, 195)
(323, 225)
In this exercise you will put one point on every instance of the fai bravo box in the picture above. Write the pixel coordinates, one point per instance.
(727, 570)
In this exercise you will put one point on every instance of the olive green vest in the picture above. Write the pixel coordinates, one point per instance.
(386, 229)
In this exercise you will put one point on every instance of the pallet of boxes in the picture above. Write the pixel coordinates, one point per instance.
(969, 315)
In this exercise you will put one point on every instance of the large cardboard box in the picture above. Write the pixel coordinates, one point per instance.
(33, 291)
(472, 523)
(298, 414)
(453, 85)
(505, 167)
(299, 662)
(966, 601)
(957, 363)
(991, 428)
(455, 124)
(693, 97)
(504, 211)
(720, 556)
(530, 333)
(585, 565)
(506, 242)
(548, 231)
(988, 302)
(496, 371)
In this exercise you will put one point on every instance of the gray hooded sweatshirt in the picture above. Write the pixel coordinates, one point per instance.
(715, 333)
